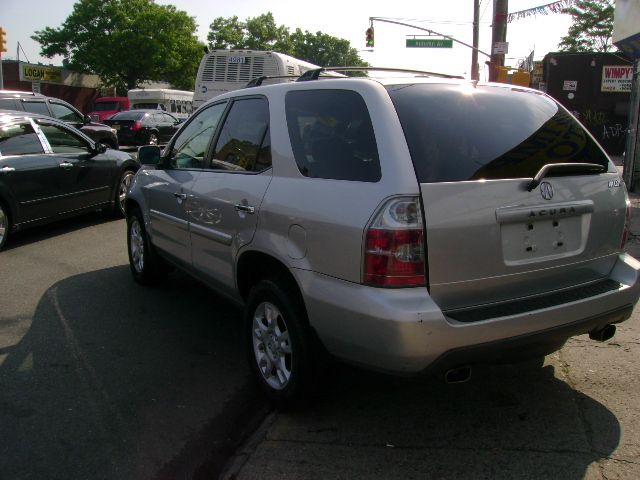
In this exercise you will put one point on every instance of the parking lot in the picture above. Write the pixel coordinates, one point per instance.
(102, 378)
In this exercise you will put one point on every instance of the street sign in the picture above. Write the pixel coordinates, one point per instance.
(429, 43)
(500, 48)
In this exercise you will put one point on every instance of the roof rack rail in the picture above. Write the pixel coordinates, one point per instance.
(256, 82)
(315, 74)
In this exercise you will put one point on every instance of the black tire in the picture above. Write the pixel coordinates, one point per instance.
(153, 138)
(5, 225)
(120, 192)
(291, 378)
(146, 266)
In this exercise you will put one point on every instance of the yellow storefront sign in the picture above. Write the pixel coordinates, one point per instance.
(38, 73)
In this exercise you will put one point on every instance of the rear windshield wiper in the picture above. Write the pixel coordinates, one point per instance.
(557, 168)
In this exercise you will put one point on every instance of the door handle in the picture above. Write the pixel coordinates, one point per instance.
(245, 208)
(180, 197)
(66, 165)
(7, 169)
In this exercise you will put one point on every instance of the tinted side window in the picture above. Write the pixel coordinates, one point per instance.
(64, 113)
(19, 139)
(62, 140)
(241, 140)
(458, 133)
(36, 107)
(190, 147)
(332, 135)
(9, 104)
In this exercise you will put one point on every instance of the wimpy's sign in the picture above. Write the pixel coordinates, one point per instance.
(617, 78)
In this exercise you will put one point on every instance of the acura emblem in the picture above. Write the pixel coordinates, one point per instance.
(546, 190)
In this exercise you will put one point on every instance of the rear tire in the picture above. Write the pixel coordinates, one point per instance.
(146, 266)
(5, 225)
(280, 344)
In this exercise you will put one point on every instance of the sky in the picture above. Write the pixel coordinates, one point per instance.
(339, 18)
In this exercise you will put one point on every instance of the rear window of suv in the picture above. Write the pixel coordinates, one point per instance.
(460, 132)
(331, 135)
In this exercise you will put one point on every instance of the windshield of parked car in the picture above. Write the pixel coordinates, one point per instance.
(461, 132)
(129, 115)
(105, 106)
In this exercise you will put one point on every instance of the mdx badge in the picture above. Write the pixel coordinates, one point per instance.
(546, 190)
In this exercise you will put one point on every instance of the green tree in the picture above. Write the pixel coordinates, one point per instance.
(127, 42)
(262, 33)
(592, 27)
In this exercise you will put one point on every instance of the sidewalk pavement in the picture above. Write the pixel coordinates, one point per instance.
(577, 417)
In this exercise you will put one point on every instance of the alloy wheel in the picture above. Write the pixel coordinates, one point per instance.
(136, 243)
(272, 345)
(123, 188)
(4, 224)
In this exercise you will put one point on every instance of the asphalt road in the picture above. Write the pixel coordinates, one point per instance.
(103, 379)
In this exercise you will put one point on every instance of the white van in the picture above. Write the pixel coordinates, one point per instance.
(223, 70)
(178, 103)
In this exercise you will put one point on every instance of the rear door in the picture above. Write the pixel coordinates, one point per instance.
(29, 178)
(491, 234)
(228, 194)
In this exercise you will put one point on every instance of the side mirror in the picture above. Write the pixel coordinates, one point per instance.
(99, 148)
(149, 155)
(86, 119)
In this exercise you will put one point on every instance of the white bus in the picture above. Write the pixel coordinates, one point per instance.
(178, 103)
(221, 71)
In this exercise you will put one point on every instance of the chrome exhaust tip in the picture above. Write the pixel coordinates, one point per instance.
(603, 334)
(458, 375)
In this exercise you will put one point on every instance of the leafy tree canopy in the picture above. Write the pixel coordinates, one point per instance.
(592, 27)
(126, 42)
(262, 33)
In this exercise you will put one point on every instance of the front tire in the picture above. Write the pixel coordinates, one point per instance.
(5, 225)
(121, 191)
(146, 266)
(279, 341)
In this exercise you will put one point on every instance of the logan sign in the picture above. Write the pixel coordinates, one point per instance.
(616, 78)
(39, 73)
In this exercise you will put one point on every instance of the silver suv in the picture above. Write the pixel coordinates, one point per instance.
(402, 224)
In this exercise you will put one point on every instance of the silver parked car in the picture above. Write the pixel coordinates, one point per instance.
(406, 224)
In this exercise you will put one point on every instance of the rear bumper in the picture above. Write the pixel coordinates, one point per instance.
(403, 331)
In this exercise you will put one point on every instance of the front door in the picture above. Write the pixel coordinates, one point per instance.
(86, 178)
(169, 193)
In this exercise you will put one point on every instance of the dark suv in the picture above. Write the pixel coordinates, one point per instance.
(54, 107)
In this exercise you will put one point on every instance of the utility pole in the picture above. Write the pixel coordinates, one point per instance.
(475, 75)
(499, 35)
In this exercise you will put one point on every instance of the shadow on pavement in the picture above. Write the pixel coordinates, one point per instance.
(509, 421)
(60, 227)
(117, 381)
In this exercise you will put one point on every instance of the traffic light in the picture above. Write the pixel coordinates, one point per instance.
(3, 41)
(370, 37)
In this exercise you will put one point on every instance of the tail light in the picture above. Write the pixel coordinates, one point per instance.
(136, 125)
(394, 246)
(627, 222)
